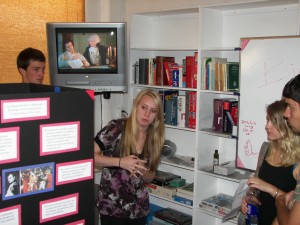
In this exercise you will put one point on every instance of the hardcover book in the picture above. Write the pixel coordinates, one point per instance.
(189, 70)
(163, 178)
(166, 191)
(181, 103)
(161, 77)
(143, 71)
(187, 190)
(168, 103)
(220, 204)
(173, 216)
(183, 200)
(218, 114)
(230, 114)
(233, 71)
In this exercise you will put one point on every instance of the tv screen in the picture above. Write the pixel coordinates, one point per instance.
(88, 55)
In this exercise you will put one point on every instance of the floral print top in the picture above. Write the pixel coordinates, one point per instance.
(120, 195)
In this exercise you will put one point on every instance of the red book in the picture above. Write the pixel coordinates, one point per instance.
(161, 78)
(192, 109)
(189, 70)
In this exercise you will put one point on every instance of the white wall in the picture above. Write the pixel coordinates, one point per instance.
(106, 11)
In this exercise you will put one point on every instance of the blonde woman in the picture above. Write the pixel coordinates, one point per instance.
(277, 169)
(129, 150)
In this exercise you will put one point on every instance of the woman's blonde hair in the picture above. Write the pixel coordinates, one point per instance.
(155, 134)
(290, 142)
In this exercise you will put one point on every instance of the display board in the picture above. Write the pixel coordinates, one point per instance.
(267, 64)
(46, 155)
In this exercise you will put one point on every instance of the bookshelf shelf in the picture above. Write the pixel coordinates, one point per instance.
(212, 31)
(172, 201)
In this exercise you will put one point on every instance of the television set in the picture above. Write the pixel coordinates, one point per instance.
(102, 70)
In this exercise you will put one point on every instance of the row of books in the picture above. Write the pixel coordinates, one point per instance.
(219, 75)
(179, 107)
(171, 186)
(169, 216)
(164, 71)
(225, 115)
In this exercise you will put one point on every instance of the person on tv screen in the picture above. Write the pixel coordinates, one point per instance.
(95, 53)
(70, 58)
(31, 65)
(129, 151)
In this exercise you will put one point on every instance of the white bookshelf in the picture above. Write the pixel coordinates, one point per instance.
(213, 31)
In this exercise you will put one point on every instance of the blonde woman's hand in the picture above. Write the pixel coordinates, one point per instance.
(133, 164)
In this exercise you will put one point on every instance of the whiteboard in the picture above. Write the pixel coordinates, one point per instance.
(266, 65)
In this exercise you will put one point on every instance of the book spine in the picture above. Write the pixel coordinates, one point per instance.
(175, 77)
(183, 73)
(183, 200)
(187, 109)
(181, 100)
(233, 72)
(195, 71)
(192, 110)
(230, 109)
(189, 70)
(218, 114)
(167, 74)
(167, 79)
(142, 71)
(159, 70)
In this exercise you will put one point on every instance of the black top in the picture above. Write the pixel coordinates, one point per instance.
(282, 178)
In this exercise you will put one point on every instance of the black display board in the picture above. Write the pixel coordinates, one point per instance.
(46, 145)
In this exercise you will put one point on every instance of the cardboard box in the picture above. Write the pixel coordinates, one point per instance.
(226, 168)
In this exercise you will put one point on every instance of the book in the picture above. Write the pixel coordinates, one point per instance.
(163, 178)
(195, 71)
(189, 70)
(219, 75)
(230, 114)
(161, 78)
(75, 63)
(182, 82)
(218, 113)
(166, 191)
(171, 111)
(192, 109)
(173, 216)
(219, 204)
(183, 200)
(187, 190)
(143, 70)
(168, 104)
(187, 108)
(233, 72)
(151, 71)
(160, 221)
(136, 72)
(181, 103)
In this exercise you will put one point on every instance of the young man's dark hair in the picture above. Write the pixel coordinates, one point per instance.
(28, 54)
(31, 65)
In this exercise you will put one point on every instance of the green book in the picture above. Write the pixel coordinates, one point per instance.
(233, 71)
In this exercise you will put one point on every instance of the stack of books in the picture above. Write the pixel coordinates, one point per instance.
(169, 216)
(160, 185)
(185, 194)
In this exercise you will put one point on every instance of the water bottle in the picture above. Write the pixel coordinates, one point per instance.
(252, 204)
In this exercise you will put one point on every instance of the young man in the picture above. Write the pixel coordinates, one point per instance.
(288, 206)
(31, 65)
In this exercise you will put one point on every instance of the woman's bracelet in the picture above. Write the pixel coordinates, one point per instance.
(120, 162)
(276, 193)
